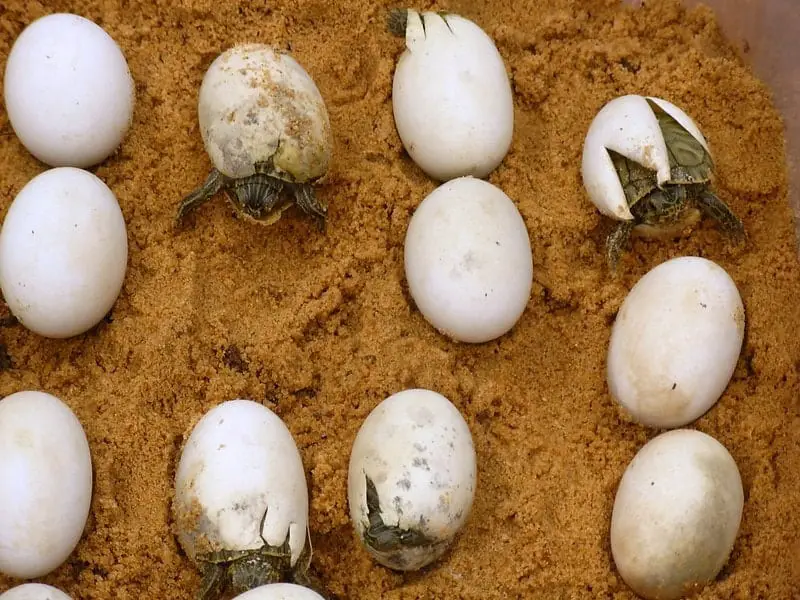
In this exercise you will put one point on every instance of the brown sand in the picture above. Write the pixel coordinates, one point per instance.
(320, 328)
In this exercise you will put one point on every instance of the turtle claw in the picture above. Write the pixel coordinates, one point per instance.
(715, 208)
(616, 241)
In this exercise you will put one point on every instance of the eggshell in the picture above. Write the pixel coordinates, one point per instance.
(251, 101)
(676, 515)
(239, 462)
(451, 97)
(627, 126)
(34, 591)
(468, 260)
(68, 91)
(417, 449)
(280, 591)
(675, 342)
(63, 253)
(45, 483)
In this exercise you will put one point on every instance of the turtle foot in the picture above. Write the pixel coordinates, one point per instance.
(307, 200)
(616, 242)
(213, 184)
(715, 208)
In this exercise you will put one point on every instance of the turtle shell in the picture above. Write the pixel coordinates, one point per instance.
(689, 161)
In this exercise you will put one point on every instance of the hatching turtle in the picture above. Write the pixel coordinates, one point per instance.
(243, 570)
(266, 129)
(647, 165)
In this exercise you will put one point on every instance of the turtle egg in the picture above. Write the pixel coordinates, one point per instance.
(280, 591)
(240, 484)
(411, 479)
(258, 106)
(63, 252)
(628, 126)
(34, 591)
(45, 484)
(675, 342)
(451, 97)
(68, 91)
(676, 515)
(468, 260)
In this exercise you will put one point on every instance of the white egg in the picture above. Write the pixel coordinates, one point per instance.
(468, 260)
(412, 478)
(451, 96)
(68, 91)
(34, 591)
(676, 515)
(280, 591)
(45, 483)
(675, 342)
(628, 126)
(63, 252)
(240, 491)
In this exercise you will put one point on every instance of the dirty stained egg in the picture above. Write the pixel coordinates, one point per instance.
(34, 591)
(241, 498)
(411, 479)
(63, 252)
(675, 342)
(45, 483)
(451, 96)
(280, 591)
(468, 260)
(266, 129)
(68, 91)
(676, 515)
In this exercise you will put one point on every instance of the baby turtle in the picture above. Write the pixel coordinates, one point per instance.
(242, 570)
(647, 165)
(677, 201)
(267, 132)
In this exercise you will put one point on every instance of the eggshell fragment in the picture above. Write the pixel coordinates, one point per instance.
(240, 462)
(417, 450)
(451, 97)
(45, 483)
(468, 260)
(68, 91)
(34, 591)
(627, 126)
(63, 253)
(676, 515)
(280, 591)
(675, 342)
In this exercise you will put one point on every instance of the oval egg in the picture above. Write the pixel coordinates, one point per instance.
(451, 96)
(411, 479)
(45, 483)
(240, 483)
(280, 591)
(676, 515)
(68, 91)
(34, 591)
(63, 253)
(468, 260)
(675, 342)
